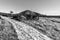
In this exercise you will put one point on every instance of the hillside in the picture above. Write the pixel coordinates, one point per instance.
(45, 24)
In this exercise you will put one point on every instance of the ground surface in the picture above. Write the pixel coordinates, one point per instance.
(47, 26)
(7, 32)
(29, 28)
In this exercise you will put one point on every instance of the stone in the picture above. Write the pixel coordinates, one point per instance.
(7, 31)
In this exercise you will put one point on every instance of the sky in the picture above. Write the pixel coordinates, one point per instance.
(48, 7)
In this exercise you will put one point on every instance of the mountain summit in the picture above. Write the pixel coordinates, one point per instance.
(29, 14)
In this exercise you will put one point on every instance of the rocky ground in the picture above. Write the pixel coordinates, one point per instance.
(30, 27)
(7, 32)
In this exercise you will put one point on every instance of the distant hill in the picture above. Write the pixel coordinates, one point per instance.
(27, 14)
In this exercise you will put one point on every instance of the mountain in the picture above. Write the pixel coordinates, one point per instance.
(45, 24)
(27, 15)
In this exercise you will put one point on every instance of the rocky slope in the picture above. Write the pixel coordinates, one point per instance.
(7, 31)
(44, 24)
